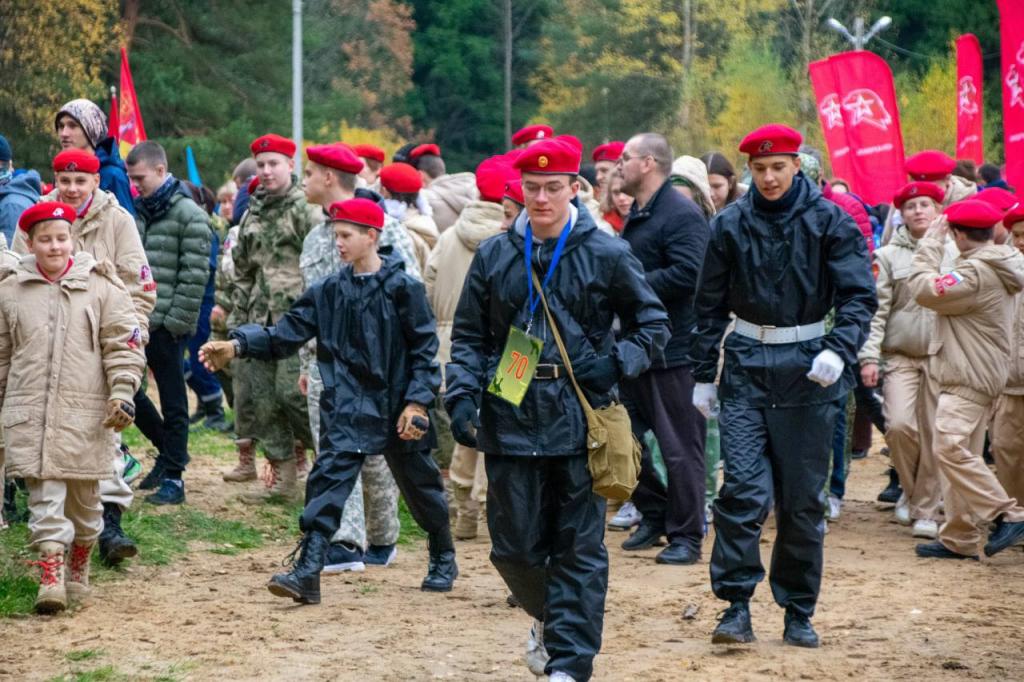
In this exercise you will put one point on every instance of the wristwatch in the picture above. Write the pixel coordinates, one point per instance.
(238, 347)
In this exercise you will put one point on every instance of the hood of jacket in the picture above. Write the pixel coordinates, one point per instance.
(902, 238)
(27, 184)
(959, 189)
(77, 277)
(1005, 261)
(477, 222)
(455, 191)
(108, 154)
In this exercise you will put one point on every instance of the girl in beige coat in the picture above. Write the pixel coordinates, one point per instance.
(70, 362)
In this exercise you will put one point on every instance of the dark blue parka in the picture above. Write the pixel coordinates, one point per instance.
(597, 279)
(113, 175)
(375, 342)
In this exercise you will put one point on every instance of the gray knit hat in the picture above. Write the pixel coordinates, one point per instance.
(89, 116)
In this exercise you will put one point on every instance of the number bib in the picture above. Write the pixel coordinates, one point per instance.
(518, 365)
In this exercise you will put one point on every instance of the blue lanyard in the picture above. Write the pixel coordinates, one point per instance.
(535, 301)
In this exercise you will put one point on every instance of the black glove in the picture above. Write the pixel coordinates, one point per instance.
(598, 374)
(465, 421)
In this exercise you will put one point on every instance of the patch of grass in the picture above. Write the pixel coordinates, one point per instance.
(17, 586)
(202, 442)
(83, 655)
(107, 673)
(410, 532)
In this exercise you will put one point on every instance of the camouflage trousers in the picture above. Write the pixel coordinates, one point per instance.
(269, 407)
(371, 511)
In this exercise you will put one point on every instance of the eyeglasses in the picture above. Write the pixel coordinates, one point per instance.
(531, 189)
(625, 158)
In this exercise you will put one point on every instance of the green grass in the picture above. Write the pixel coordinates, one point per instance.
(107, 673)
(83, 655)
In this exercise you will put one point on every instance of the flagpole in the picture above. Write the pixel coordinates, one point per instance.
(297, 82)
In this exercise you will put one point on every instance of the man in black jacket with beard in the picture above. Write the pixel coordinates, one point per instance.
(669, 235)
(780, 259)
(546, 523)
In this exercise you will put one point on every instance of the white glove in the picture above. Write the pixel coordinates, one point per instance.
(826, 368)
(705, 399)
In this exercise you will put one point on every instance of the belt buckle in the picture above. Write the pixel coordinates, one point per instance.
(763, 329)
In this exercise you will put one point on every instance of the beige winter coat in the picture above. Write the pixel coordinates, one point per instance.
(449, 263)
(423, 231)
(109, 232)
(975, 309)
(66, 348)
(1015, 382)
(448, 195)
(900, 325)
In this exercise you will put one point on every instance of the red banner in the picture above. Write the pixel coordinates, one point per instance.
(865, 97)
(969, 111)
(830, 113)
(130, 128)
(1011, 29)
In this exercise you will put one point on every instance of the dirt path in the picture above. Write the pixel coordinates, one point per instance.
(883, 615)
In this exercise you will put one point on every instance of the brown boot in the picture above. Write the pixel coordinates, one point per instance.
(246, 469)
(52, 596)
(280, 486)
(78, 570)
(467, 512)
(301, 463)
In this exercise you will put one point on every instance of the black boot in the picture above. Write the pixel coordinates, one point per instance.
(115, 546)
(799, 631)
(442, 571)
(302, 583)
(892, 493)
(215, 418)
(734, 626)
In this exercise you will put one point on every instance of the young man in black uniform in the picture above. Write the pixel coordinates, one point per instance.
(546, 523)
(780, 259)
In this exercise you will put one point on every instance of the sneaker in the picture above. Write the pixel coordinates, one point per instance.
(536, 655)
(902, 511)
(926, 528)
(342, 557)
(132, 467)
(625, 518)
(172, 491)
(559, 676)
(799, 631)
(1004, 534)
(380, 555)
(858, 454)
(734, 625)
(835, 508)
(937, 550)
(893, 491)
(154, 477)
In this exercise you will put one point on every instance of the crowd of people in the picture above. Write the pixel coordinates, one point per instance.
(757, 324)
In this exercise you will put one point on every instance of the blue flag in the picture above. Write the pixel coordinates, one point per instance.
(193, 169)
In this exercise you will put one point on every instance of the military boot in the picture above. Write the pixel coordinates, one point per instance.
(115, 546)
(52, 596)
(280, 485)
(467, 512)
(78, 570)
(302, 583)
(246, 469)
(442, 570)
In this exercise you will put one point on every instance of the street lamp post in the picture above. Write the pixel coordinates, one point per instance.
(858, 38)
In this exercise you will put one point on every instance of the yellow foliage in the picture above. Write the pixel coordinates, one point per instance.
(385, 138)
(928, 107)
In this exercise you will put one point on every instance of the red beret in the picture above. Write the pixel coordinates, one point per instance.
(973, 214)
(770, 140)
(76, 160)
(423, 149)
(273, 143)
(609, 151)
(514, 192)
(358, 212)
(918, 189)
(930, 164)
(369, 151)
(572, 141)
(253, 184)
(337, 156)
(998, 197)
(1014, 216)
(530, 133)
(552, 157)
(401, 178)
(48, 210)
(491, 176)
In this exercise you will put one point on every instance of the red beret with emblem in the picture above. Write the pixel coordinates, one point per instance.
(369, 151)
(76, 161)
(609, 151)
(998, 197)
(514, 192)
(358, 212)
(401, 178)
(423, 150)
(551, 157)
(1014, 216)
(530, 133)
(930, 164)
(491, 177)
(772, 139)
(273, 143)
(918, 189)
(972, 214)
(48, 210)
(571, 140)
(338, 156)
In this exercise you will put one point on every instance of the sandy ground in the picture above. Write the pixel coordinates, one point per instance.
(883, 615)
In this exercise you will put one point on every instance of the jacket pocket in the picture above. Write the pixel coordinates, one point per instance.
(14, 416)
(93, 328)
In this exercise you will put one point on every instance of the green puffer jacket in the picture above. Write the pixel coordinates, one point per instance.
(267, 277)
(178, 248)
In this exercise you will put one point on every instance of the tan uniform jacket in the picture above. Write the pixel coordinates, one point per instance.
(974, 303)
(1015, 382)
(423, 231)
(448, 195)
(66, 348)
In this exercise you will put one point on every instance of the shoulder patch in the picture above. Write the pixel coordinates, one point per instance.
(947, 282)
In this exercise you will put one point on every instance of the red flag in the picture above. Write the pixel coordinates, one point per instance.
(969, 112)
(113, 127)
(830, 112)
(131, 130)
(1011, 29)
(867, 99)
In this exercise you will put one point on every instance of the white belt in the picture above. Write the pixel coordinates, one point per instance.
(776, 335)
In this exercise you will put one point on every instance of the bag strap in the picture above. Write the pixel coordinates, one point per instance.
(561, 346)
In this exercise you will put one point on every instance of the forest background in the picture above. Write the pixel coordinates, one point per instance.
(214, 74)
